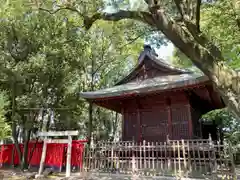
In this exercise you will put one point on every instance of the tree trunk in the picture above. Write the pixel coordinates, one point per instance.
(35, 144)
(90, 121)
(14, 125)
(90, 107)
(115, 126)
(12, 157)
(13, 151)
(27, 134)
(32, 151)
(15, 139)
(48, 122)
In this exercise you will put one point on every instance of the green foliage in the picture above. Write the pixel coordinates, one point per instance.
(5, 130)
(181, 60)
(229, 123)
(220, 21)
(47, 59)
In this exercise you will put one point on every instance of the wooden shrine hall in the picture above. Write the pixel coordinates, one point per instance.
(157, 100)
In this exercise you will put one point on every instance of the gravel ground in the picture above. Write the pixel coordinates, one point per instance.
(15, 174)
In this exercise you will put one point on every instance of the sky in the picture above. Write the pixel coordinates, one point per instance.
(165, 51)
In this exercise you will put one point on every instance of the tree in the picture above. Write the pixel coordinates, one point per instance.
(219, 22)
(47, 60)
(180, 23)
(104, 64)
(35, 65)
(5, 130)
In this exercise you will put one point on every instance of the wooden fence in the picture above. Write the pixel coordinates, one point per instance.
(179, 158)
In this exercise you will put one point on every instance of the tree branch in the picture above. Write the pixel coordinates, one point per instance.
(142, 16)
(185, 37)
(199, 2)
(235, 14)
(191, 17)
(180, 7)
(133, 40)
(62, 8)
(202, 39)
(182, 37)
(189, 10)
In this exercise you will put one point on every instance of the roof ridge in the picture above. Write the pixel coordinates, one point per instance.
(147, 52)
(168, 65)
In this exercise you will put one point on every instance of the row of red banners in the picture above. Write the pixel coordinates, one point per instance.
(55, 156)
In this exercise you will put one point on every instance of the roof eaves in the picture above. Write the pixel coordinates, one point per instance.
(144, 89)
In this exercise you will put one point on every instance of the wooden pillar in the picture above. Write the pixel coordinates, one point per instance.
(123, 119)
(170, 134)
(190, 126)
(200, 123)
(43, 157)
(69, 153)
(139, 122)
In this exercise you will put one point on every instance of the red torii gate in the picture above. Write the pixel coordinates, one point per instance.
(68, 141)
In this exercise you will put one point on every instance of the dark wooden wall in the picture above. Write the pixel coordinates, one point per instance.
(195, 116)
(153, 117)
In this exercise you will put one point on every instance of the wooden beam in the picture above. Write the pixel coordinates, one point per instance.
(63, 141)
(170, 133)
(58, 133)
(123, 123)
(139, 122)
(200, 123)
(190, 124)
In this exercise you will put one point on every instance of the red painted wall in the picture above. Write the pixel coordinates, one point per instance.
(160, 115)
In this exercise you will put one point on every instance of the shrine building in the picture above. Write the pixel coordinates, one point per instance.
(157, 100)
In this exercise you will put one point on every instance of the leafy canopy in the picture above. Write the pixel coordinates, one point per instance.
(220, 21)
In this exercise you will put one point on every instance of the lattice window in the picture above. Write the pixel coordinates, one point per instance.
(154, 124)
(180, 113)
(180, 125)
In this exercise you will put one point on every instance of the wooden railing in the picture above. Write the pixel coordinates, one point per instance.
(181, 158)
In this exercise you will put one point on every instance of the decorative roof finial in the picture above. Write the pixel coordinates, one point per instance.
(152, 51)
(147, 47)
